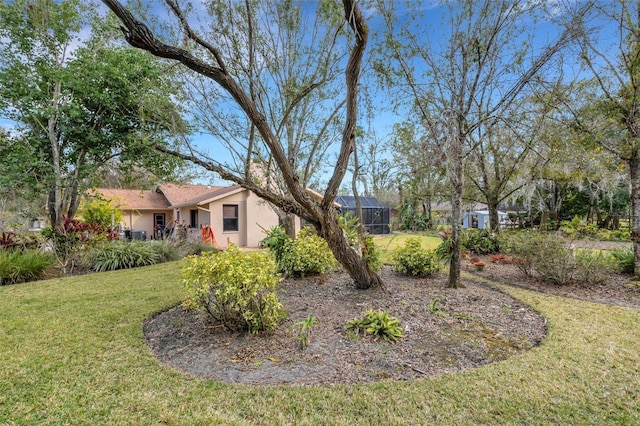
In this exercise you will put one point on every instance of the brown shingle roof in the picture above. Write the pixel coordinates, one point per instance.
(136, 199)
(165, 197)
(179, 195)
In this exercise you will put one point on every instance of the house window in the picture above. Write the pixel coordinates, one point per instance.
(159, 219)
(230, 217)
(193, 222)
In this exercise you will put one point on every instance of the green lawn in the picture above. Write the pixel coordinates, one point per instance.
(388, 243)
(72, 352)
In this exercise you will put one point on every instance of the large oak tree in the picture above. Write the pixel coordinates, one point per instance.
(219, 58)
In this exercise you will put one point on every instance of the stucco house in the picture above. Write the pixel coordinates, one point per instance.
(235, 214)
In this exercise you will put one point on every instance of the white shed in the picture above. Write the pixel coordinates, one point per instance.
(480, 219)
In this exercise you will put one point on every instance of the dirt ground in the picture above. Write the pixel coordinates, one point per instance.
(445, 330)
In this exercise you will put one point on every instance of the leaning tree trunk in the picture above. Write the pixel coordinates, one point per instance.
(352, 261)
(634, 170)
(297, 200)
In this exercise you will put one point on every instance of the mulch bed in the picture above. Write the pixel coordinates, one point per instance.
(445, 330)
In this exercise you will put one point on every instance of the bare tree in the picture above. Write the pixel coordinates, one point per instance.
(466, 83)
(506, 157)
(206, 58)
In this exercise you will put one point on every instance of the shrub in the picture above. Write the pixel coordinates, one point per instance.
(480, 241)
(614, 235)
(101, 211)
(371, 253)
(20, 266)
(308, 254)
(550, 256)
(237, 289)
(275, 241)
(592, 266)
(166, 251)
(378, 323)
(414, 260)
(14, 241)
(72, 237)
(126, 254)
(624, 259)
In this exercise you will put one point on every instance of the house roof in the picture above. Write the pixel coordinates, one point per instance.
(165, 197)
(446, 206)
(136, 199)
(221, 192)
(181, 195)
(485, 212)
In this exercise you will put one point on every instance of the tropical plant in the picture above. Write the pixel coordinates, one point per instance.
(480, 241)
(130, 254)
(23, 265)
(625, 260)
(275, 241)
(304, 335)
(377, 323)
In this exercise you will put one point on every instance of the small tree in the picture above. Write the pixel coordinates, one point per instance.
(103, 212)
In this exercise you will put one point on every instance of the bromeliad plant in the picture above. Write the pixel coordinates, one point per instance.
(377, 323)
(360, 241)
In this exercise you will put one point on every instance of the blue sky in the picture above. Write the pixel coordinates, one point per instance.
(384, 118)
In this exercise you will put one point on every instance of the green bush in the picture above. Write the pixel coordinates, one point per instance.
(593, 266)
(480, 241)
(412, 259)
(624, 259)
(371, 253)
(550, 256)
(275, 241)
(547, 254)
(129, 254)
(166, 251)
(378, 323)
(575, 228)
(237, 289)
(18, 266)
(308, 254)
(614, 235)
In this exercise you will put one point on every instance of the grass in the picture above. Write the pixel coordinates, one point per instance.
(389, 243)
(72, 351)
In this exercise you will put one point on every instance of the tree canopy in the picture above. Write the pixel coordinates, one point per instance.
(77, 104)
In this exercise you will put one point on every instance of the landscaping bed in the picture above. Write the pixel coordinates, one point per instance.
(445, 330)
